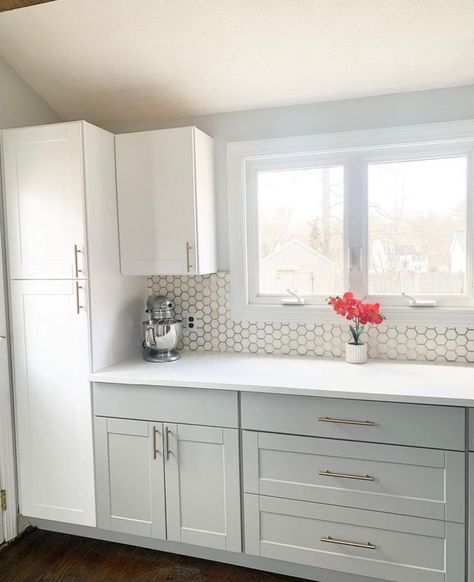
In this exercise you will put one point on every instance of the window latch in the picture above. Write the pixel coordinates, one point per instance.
(294, 300)
(414, 302)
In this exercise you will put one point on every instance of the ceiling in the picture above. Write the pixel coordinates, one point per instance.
(119, 61)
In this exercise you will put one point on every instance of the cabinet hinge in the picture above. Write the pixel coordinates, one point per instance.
(3, 500)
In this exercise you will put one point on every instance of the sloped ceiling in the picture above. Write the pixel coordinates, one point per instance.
(112, 61)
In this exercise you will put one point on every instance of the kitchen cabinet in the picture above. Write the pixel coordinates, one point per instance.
(52, 396)
(470, 565)
(130, 477)
(177, 452)
(166, 201)
(44, 201)
(67, 304)
(202, 486)
(169, 481)
(406, 480)
(355, 501)
(383, 546)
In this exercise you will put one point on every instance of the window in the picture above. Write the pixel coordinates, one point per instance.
(300, 231)
(385, 213)
(417, 227)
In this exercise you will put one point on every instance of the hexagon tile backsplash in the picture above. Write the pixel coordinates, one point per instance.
(207, 299)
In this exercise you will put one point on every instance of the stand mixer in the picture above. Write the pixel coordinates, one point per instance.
(162, 331)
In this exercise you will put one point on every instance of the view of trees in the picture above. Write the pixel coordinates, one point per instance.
(416, 234)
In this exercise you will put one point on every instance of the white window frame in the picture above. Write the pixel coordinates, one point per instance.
(354, 150)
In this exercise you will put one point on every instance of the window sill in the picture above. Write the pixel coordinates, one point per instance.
(460, 316)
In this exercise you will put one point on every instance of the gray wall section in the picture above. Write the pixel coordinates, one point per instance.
(364, 113)
(19, 103)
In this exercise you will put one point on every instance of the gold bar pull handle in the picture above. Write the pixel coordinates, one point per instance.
(167, 443)
(346, 421)
(78, 300)
(363, 545)
(347, 476)
(155, 449)
(77, 250)
(189, 265)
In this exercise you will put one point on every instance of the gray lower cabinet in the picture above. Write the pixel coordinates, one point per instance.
(130, 485)
(202, 486)
(372, 489)
(471, 517)
(368, 489)
(437, 427)
(368, 543)
(404, 480)
(169, 481)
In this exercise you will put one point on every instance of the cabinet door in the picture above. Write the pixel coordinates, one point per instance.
(202, 486)
(156, 200)
(43, 176)
(53, 400)
(471, 518)
(130, 480)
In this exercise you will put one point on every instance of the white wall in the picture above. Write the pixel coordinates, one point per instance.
(368, 112)
(19, 103)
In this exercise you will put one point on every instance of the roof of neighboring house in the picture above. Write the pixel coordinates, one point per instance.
(304, 246)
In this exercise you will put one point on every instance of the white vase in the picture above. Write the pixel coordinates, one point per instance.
(356, 354)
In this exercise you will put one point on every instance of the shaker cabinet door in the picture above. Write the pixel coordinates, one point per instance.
(53, 400)
(130, 480)
(44, 197)
(156, 201)
(202, 486)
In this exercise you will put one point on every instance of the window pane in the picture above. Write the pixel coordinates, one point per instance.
(417, 227)
(301, 231)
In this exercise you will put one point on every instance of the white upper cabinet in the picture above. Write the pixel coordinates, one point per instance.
(165, 182)
(44, 198)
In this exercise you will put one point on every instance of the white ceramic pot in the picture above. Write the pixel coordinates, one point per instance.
(356, 354)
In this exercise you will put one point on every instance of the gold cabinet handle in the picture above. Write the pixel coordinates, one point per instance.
(77, 250)
(346, 421)
(188, 259)
(167, 443)
(364, 545)
(155, 449)
(347, 476)
(78, 302)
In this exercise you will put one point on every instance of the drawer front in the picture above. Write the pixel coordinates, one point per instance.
(471, 429)
(365, 543)
(404, 480)
(404, 424)
(157, 403)
(471, 518)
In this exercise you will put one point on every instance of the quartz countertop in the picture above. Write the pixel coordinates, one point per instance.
(383, 381)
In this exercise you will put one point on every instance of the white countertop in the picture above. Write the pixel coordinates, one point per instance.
(387, 381)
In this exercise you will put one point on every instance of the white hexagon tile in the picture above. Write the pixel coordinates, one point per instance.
(207, 299)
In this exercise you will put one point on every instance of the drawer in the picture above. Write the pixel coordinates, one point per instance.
(404, 424)
(161, 403)
(404, 480)
(471, 429)
(471, 518)
(366, 543)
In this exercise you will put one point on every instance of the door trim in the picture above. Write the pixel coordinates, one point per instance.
(7, 447)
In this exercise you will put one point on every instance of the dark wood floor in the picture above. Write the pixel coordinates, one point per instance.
(40, 556)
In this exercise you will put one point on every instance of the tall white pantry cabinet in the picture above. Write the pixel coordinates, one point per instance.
(71, 310)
